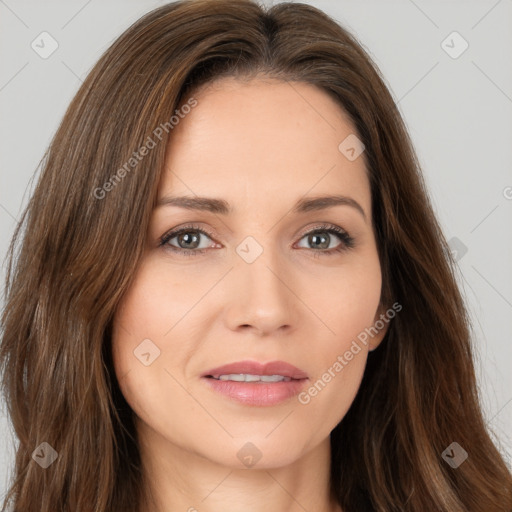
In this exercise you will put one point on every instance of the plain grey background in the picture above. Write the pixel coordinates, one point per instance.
(456, 102)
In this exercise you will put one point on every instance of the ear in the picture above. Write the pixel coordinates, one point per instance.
(380, 327)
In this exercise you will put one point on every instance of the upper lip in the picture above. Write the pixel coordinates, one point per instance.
(256, 368)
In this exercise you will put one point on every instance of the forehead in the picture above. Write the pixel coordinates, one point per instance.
(260, 141)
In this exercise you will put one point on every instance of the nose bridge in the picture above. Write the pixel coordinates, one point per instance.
(263, 298)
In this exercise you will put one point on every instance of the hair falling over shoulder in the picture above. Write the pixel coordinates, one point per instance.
(73, 255)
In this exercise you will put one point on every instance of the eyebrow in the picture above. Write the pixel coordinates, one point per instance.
(222, 207)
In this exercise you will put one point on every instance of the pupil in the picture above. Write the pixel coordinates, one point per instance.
(186, 237)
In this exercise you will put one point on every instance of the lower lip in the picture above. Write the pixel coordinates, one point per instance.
(257, 393)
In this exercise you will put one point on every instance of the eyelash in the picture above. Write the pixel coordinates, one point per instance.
(347, 242)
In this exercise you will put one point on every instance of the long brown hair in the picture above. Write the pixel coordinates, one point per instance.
(83, 233)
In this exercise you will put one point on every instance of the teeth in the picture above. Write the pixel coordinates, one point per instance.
(274, 378)
(246, 377)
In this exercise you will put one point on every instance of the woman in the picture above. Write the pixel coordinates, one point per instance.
(231, 291)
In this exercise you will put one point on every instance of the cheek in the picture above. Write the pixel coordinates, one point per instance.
(150, 310)
(348, 300)
(137, 350)
(146, 356)
(325, 402)
(347, 308)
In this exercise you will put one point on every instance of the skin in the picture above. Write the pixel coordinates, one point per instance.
(260, 145)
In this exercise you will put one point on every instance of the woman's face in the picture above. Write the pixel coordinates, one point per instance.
(259, 287)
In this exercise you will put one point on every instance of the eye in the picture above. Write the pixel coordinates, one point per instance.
(317, 238)
(188, 240)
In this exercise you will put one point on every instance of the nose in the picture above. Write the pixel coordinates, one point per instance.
(263, 298)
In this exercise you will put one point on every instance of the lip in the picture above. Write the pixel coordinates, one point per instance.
(257, 393)
(256, 368)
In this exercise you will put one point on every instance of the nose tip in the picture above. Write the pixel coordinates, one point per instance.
(263, 301)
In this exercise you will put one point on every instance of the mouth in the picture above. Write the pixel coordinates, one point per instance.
(247, 377)
(256, 384)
